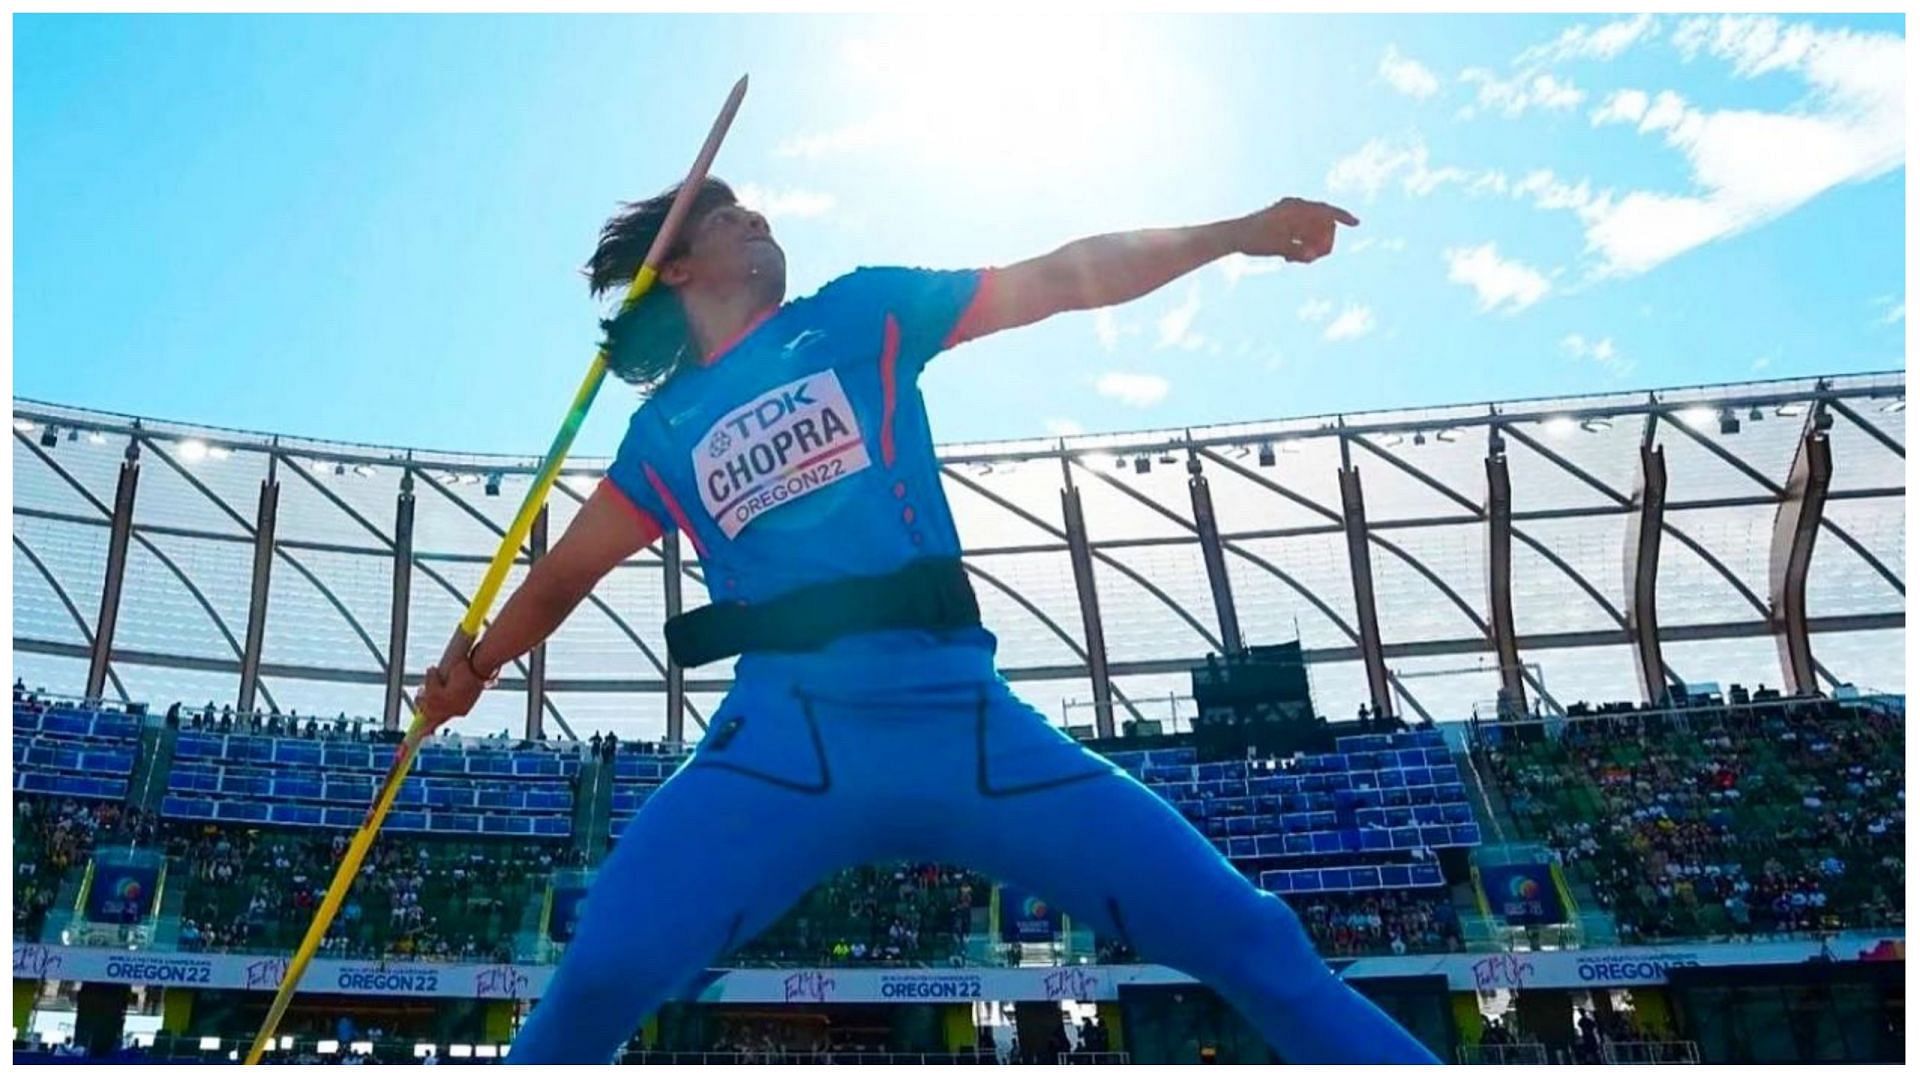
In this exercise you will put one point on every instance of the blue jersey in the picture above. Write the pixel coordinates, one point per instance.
(801, 453)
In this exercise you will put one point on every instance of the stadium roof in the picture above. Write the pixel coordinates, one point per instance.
(1574, 463)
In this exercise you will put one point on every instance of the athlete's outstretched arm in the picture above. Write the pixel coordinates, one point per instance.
(1101, 271)
(605, 532)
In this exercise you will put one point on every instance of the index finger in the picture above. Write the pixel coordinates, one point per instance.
(1342, 216)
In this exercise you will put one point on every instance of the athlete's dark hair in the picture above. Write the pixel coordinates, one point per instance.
(649, 341)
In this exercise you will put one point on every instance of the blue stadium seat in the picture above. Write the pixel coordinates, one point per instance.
(296, 814)
(552, 826)
(549, 799)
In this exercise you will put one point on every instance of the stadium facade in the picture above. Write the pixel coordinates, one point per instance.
(1579, 549)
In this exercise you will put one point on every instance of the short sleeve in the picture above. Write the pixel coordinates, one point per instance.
(630, 477)
(932, 307)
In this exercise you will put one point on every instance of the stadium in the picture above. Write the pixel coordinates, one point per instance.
(1573, 730)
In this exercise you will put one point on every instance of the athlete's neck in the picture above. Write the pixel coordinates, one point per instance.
(718, 321)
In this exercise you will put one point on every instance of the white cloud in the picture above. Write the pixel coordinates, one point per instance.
(1176, 326)
(1762, 363)
(1237, 266)
(1527, 90)
(1895, 310)
(1138, 391)
(1750, 166)
(1391, 243)
(1374, 165)
(1621, 107)
(1062, 426)
(1601, 354)
(1105, 329)
(1315, 311)
(1602, 42)
(855, 136)
(1550, 193)
(1355, 321)
(782, 204)
(1503, 285)
(1407, 75)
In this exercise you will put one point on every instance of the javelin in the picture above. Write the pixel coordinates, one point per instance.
(476, 616)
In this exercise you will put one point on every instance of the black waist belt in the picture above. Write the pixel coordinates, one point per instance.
(928, 594)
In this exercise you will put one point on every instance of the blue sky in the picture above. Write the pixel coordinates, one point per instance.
(369, 227)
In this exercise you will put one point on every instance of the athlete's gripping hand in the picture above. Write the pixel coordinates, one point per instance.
(1297, 230)
(450, 693)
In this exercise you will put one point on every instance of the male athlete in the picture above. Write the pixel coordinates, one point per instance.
(788, 444)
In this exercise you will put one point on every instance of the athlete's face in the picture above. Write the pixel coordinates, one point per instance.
(732, 248)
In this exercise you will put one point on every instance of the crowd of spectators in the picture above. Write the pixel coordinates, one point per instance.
(54, 835)
(1788, 816)
(1390, 922)
(902, 914)
(415, 897)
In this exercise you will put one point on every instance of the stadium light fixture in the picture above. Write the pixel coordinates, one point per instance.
(493, 483)
(1266, 455)
(96, 437)
(339, 468)
(193, 450)
(1700, 418)
(485, 1051)
(1791, 408)
(1120, 462)
(1561, 426)
(1594, 424)
(50, 437)
(1729, 423)
(1242, 450)
(73, 434)
(209, 1042)
(1393, 438)
(1167, 458)
(1754, 414)
(363, 470)
(459, 1050)
(23, 425)
(1419, 438)
(286, 1042)
(219, 453)
(1897, 405)
(361, 1047)
(1446, 435)
(328, 1046)
(1142, 464)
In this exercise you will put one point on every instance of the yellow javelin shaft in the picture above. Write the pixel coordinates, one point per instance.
(503, 558)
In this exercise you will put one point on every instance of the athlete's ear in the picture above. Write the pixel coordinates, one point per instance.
(675, 273)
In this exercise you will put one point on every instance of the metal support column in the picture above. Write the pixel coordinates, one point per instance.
(263, 532)
(402, 592)
(1513, 686)
(1082, 557)
(1642, 558)
(118, 537)
(537, 661)
(1795, 527)
(1213, 555)
(1353, 515)
(676, 675)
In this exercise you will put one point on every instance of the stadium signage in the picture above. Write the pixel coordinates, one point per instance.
(422, 979)
(1533, 971)
(930, 988)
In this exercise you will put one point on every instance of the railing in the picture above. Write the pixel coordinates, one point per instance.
(1092, 1057)
(1528, 1053)
(1677, 1052)
(778, 1057)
